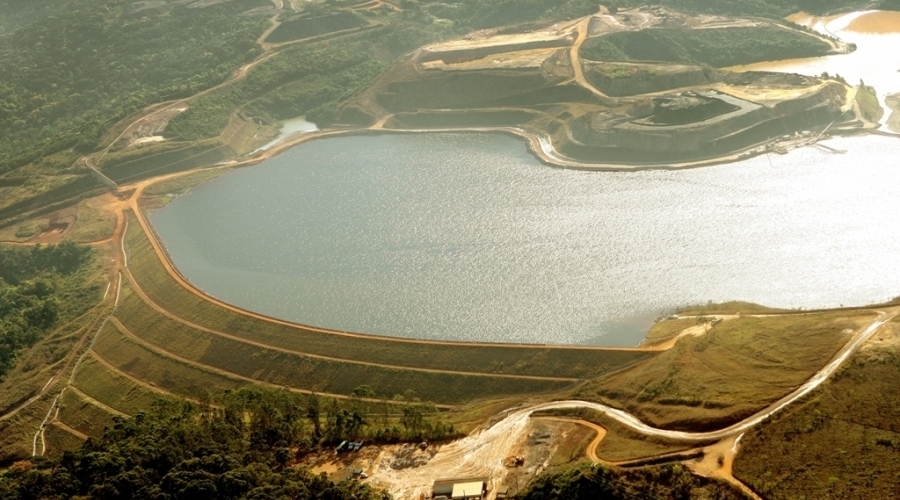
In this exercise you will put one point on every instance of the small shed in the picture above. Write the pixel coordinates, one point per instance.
(460, 488)
(474, 490)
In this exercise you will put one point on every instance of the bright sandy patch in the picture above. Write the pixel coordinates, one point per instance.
(521, 59)
(881, 22)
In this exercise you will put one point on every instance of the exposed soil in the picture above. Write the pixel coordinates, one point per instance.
(484, 453)
(878, 23)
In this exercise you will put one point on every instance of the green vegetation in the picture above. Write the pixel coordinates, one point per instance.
(82, 415)
(182, 451)
(155, 281)
(763, 8)
(843, 441)
(728, 308)
(16, 431)
(113, 389)
(730, 372)
(310, 26)
(82, 66)
(163, 159)
(157, 370)
(479, 118)
(58, 441)
(718, 47)
(869, 105)
(480, 14)
(91, 224)
(40, 287)
(665, 330)
(585, 481)
(313, 374)
(622, 443)
(295, 82)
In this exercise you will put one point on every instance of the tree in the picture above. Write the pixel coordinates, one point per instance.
(313, 413)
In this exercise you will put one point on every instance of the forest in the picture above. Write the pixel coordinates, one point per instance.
(248, 446)
(80, 69)
(40, 287)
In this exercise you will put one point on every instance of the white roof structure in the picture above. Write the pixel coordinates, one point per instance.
(463, 491)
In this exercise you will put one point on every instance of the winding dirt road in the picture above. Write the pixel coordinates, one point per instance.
(575, 57)
(483, 453)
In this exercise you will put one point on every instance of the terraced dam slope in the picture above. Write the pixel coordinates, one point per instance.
(174, 324)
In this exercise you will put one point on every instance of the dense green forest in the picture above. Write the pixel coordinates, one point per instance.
(250, 445)
(587, 481)
(74, 71)
(40, 287)
(245, 448)
(181, 451)
(290, 84)
(718, 47)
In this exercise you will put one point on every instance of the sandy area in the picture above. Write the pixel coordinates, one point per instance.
(768, 94)
(521, 59)
(718, 461)
(880, 22)
(563, 39)
(408, 472)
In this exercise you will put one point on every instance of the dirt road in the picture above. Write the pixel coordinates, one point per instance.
(575, 57)
(483, 453)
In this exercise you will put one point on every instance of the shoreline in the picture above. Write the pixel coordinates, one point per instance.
(517, 133)
(540, 147)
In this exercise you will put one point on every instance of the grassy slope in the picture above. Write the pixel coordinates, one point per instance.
(112, 389)
(718, 47)
(16, 432)
(728, 308)
(662, 331)
(732, 371)
(82, 415)
(59, 441)
(159, 371)
(843, 441)
(163, 290)
(308, 373)
(622, 443)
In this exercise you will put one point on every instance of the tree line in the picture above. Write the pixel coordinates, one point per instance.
(246, 446)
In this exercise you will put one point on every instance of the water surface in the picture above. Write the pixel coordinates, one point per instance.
(468, 237)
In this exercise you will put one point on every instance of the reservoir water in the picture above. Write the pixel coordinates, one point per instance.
(468, 237)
